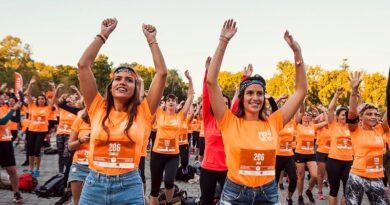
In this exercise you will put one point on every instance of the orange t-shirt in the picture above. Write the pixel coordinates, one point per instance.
(39, 118)
(323, 140)
(66, 121)
(25, 124)
(285, 141)
(195, 125)
(10, 125)
(368, 150)
(341, 144)
(168, 131)
(305, 139)
(201, 130)
(116, 154)
(250, 148)
(82, 128)
(183, 133)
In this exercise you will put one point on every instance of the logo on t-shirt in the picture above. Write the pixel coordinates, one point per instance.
(265, 136)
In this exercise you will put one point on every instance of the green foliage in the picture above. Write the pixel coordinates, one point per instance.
(228, 82)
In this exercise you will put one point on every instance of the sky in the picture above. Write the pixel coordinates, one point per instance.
(188, 32)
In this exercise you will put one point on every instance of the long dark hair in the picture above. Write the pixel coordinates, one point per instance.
(131, 105)
(46, 103)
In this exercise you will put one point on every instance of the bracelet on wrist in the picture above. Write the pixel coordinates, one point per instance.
(153, 42)
(101, 37)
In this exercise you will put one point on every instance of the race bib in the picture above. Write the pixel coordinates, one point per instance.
(344, 143)
(114, 154)
(64, 128)
(285, 146)
(82, 157)
(166, 145)
(307, 145)
(38, 120)
(374, 163)
(257, 162)
(6, 134)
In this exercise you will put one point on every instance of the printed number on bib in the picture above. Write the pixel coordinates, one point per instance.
(307, 145)
(257, 162)
(166, 145)
(5, 134)
(114, 154)
(374, 164)
(344, 143)
(65, 128)
(39, 120)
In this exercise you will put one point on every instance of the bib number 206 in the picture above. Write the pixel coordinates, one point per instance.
(114, 147)
(258, 156)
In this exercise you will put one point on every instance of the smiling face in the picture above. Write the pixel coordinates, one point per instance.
(342, 117)
(11, 102)
(253, 99)
(307, 117)
(41, 100)
(123, 86)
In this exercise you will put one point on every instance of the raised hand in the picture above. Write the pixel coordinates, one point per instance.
(207, 64)
(355, 78)
(187, 74)
(291, 42)
(248, 71)
(108, 26)
(339, 90)
(60, 85)
(150, 33)
(228, 30)
(73, 87)
(4, 85)
(52, 84)
(33, 80)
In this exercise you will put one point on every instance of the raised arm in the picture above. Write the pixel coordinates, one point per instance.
(190, 94)
(86, 78)
(29, 89)
(354, 79)
(156, 88)
(333, 103)
(293, 103)
(217, 103)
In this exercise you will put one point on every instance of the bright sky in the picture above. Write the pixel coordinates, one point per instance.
(188, 31)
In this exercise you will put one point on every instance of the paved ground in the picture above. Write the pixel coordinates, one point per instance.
(49, 168)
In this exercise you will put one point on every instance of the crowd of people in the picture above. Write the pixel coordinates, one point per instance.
(246, 145)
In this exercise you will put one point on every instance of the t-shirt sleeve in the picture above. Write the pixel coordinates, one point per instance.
(227, 120)
(76, 124)
(276, 120)
(145, 111)
(97, 103)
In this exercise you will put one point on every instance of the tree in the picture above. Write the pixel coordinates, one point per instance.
(329, 81)
(228, 82)
(101, 69)
(374, 89)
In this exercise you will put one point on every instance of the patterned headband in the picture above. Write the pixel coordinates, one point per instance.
(247, 83)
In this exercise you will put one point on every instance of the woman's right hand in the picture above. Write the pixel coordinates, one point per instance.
(355, 78)
(108, 26)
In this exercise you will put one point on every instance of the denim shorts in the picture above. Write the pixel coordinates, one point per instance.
(104, 189)
(236, 194)
(78, 172)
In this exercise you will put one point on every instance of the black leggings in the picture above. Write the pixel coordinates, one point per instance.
(14, 134)
(337, 170)
(195, 136)
(152, 136)
(63, 151)
(208, 182)
(184, 153)
(287, 164)
(35, 142)
(160, 163)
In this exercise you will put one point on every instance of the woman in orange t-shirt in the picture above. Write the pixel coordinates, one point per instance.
(79, 142)
(340, 157)
(368, 147)
(164, 158)
(118, 123)
(38, 127)
(249, 136)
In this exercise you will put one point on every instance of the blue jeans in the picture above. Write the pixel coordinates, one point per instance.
(112, 189)
(236, 194)
(78, 172)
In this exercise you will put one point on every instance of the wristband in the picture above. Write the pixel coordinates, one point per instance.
(153, 42)
(352, 121)
(103, 38)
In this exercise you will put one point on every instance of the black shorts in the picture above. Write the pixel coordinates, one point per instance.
(7, 157)
(303, 158)
(52, 124)
(322, 157)
(141, 168)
